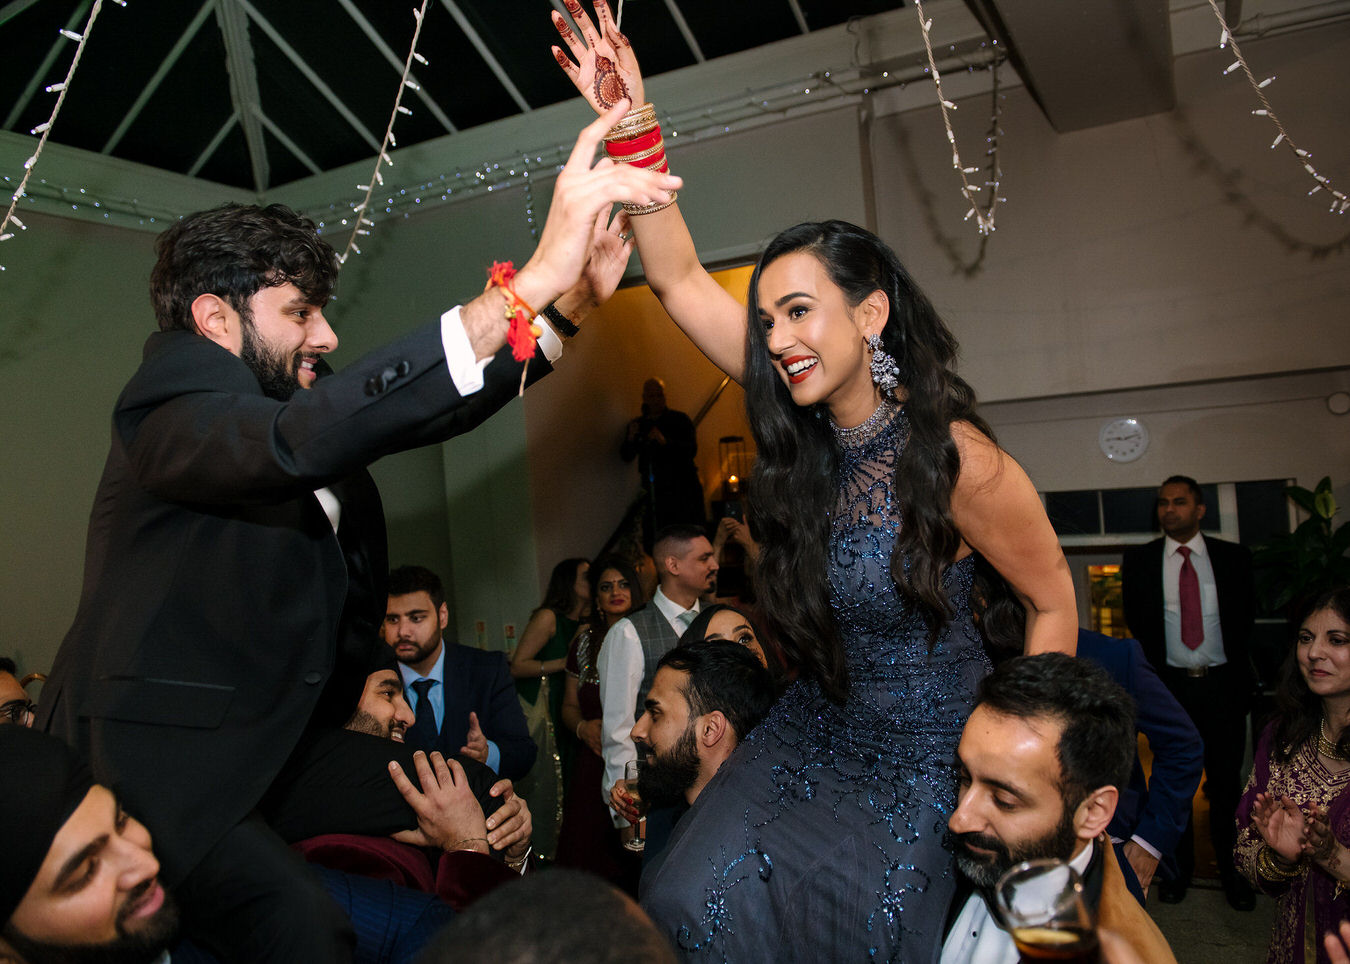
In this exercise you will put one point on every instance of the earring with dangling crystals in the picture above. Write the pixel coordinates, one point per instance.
(885, 372)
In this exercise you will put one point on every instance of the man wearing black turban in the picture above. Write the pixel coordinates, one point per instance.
(78, 881)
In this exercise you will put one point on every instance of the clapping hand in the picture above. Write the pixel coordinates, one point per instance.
(1281, 824)
(606, 70)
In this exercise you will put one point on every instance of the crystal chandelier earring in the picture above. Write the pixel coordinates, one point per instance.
(885, 372)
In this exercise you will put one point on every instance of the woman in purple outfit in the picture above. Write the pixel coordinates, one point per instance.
(1295, 812)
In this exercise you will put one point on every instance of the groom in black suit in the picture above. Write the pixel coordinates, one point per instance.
(1189, 600)
(234, 573)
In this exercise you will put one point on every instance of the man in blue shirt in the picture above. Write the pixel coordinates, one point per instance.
(464, 698)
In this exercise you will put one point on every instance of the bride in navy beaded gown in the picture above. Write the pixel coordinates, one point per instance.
(822, 838)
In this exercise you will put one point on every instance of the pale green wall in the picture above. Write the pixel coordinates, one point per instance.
(73, 315)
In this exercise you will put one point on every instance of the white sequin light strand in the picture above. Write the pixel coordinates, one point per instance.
(45, 129)
(1340, 203)
(364, 224)
(984, 217)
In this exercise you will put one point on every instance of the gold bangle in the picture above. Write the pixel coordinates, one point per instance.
(1270, 868)
(639, 120)
(650, 208)
(456, 844)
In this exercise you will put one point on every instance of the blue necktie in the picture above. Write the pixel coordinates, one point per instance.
(422, 735)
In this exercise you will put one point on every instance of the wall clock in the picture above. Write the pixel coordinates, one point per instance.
(1123, 439)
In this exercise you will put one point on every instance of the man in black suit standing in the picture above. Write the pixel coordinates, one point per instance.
(464, 698)
(1190, 602)
(234, 573)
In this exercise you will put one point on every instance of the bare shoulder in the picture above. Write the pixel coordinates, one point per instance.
(982, 461)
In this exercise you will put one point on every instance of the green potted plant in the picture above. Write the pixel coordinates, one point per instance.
(1294, 568)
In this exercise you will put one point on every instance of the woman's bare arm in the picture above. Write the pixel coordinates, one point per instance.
(538, 631)
(605, 66)
(999, 514)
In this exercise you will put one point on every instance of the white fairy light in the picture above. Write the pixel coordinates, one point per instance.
(45, 128)
(1341, 200)
(404, 83)
(984, 218)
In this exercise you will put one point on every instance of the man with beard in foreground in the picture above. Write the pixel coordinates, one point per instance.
(705, 698)
(1040, 765)
(233, 586)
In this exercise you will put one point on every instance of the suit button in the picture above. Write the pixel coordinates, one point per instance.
(313, 678)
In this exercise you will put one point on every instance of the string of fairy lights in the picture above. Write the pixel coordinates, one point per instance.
(43, 130)
(818, 90)
(984, 216)
(1340, 203)
(364, 224)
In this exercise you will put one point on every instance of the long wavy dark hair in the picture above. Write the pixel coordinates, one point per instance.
(561, 594)
(1298, 711)
(797, 474)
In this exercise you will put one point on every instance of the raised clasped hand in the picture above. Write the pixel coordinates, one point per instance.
(606, 70)
(582, 196)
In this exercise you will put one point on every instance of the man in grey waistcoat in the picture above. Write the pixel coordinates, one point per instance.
(686, 569)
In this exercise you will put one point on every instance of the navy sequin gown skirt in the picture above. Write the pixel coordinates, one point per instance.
(821, 837)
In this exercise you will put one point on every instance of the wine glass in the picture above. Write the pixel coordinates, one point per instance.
(1042, 905)
(638, 841)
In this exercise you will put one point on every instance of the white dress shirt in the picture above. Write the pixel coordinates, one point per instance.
(1210, 652)
(620, 665)
(976, 938)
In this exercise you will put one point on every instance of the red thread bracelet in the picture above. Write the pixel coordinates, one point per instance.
(521, 335)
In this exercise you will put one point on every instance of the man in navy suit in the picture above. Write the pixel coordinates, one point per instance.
(1152, 812)
(464, 699)
(1190, 602)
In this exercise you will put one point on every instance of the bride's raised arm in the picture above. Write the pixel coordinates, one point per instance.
(605, 71)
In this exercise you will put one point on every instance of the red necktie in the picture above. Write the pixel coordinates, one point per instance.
(1192, 621)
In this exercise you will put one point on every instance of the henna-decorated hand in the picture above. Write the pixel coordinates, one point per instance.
(1281, 824)
(606, 70)
(1319, 842)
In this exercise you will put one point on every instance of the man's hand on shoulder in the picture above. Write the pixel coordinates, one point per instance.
(448, 815)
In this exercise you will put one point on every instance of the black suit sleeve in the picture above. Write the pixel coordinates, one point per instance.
(230, 444)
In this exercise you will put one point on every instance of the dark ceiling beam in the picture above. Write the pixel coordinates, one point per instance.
(307, 71)
(58, 45)
(287, 143)
(214, 144)
(244, 86)
(488, 56)
(1087, 63)
(389, 55)
(167, 65)
(688, 34)
(11, 10)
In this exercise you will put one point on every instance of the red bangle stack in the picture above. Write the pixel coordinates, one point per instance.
(637, 140)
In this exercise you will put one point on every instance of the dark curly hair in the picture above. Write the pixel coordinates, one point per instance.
(233, 251)
(797, 474)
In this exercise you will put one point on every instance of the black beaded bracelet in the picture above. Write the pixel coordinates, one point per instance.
(560, 321)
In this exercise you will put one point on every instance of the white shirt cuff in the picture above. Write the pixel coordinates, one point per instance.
(466, 371)
(1147, 846)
